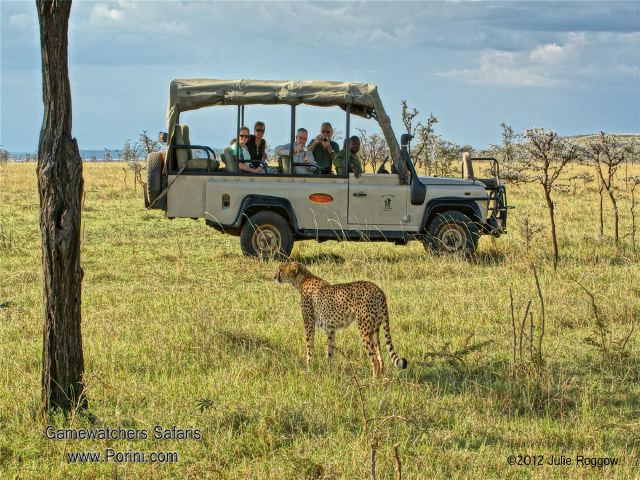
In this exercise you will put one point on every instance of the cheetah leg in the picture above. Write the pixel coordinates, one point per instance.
(367, 341)
(331, 335)
(376, 342)
(309, 332)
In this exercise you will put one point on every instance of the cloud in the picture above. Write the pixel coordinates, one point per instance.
(504, 69)
(548, 54)
(20, 21)
(580, 58)
(101, 13)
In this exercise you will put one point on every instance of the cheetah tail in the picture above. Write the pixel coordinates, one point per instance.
(397, 361)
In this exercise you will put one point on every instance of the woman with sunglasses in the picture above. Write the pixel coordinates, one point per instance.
(256, 145)
(242, 152)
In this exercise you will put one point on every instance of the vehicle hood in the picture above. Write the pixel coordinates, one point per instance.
(451, 181)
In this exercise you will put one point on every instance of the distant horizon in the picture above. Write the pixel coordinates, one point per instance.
(86, 154)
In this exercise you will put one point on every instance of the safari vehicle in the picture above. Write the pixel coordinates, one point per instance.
(270, 211)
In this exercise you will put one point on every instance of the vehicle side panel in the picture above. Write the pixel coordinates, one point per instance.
(377, 201)
(186, 197)
(231, 190)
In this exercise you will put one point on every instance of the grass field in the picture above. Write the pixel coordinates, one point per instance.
(179, 329)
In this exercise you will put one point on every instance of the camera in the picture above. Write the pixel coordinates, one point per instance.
(325, 139)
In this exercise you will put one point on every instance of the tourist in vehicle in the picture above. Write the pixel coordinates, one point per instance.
(240, 150)
(324, 149)
(354, 160)
(256, 145)
(301, 154)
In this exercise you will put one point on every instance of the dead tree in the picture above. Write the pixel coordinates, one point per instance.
(548, 154)
(60, 185)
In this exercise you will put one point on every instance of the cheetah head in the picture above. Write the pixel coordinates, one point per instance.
(292, 273)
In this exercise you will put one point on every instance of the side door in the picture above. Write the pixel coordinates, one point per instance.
(378, 201)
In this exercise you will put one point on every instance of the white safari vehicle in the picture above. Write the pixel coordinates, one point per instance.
(270, 211)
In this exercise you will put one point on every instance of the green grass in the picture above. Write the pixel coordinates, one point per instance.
(180, 329)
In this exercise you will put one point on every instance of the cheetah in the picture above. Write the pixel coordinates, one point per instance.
(331, 307)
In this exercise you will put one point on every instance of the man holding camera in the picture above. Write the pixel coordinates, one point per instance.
(301, 155)
(324, 149)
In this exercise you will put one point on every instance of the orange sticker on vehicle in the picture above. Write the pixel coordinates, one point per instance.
(321, 198)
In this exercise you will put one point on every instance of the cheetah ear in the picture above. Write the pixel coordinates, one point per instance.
(295, 269)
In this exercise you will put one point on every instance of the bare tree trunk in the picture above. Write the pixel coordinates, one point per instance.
(601, 206)
(633, 219)
(616, 217)
(633, 216)
(547, 195)
(60, 185)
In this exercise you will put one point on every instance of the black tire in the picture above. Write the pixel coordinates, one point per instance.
(155, 164)
(267, 235)
(452, 232)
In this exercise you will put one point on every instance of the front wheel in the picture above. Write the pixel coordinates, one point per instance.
(266, 235)
(452, 232)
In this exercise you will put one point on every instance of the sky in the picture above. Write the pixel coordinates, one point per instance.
(572, 66)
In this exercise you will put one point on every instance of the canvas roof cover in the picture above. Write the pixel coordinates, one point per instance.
(192, 94)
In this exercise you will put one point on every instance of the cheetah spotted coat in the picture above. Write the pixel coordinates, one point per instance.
(331, 307)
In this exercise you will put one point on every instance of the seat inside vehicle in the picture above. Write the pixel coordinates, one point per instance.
(186, 155)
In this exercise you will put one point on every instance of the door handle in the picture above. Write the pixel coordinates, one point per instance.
(359, 194)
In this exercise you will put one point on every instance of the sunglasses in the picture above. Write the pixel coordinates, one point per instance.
(326, 131)
(259, 129)
(244, 136)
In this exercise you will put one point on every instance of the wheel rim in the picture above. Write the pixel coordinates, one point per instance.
(266, 240)
(453, 238)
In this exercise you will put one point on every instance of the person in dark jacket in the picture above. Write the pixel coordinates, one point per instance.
(257, 145)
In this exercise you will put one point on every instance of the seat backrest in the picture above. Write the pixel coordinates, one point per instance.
(230, 164)
(182, 138)
(467, 166)
(284, 164)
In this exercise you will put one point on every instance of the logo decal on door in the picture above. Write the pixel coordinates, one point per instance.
(386, 206)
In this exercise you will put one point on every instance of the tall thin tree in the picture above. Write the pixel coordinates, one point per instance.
(60, 185)
(605, 153)
(548, 154)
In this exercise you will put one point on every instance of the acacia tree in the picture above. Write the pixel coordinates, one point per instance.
(373, 149)
(423, 153)
(147, 144)
(4, 156)
(446, 153)
(548, 154)
(131, 155)
(60, 185)
(604, 153)
(512, 166)
(408, 114)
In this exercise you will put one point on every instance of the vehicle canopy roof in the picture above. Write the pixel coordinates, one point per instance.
(192, 94)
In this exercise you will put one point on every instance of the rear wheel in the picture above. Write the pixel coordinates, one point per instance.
(452, 232)
(267, 235)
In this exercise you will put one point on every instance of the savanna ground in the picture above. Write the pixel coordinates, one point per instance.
(180, 329)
